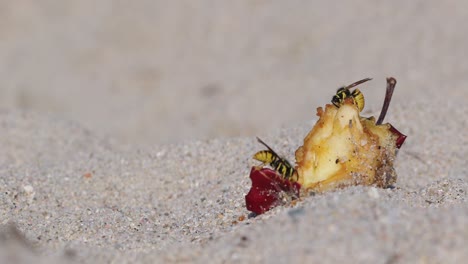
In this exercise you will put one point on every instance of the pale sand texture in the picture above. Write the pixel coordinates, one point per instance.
(219, 72)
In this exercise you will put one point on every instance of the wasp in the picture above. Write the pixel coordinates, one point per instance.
(278, 163)
(344, 92)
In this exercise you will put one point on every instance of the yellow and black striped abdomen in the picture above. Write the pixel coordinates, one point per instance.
(265, 156)
(277, 163)
(358, 99)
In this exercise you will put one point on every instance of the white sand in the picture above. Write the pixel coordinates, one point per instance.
(90, 98)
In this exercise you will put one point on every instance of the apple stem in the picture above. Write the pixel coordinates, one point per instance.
(391, 82)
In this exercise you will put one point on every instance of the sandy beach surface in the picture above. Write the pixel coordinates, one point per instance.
(127, 129)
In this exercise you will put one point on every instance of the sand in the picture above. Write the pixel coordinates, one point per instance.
(127, 136)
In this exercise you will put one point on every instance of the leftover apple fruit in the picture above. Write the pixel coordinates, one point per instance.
(342, 149)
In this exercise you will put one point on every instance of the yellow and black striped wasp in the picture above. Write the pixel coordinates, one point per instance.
(344, 92)
(279, 164)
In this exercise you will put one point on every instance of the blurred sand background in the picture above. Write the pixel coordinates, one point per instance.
(165, 71)
(160, 102)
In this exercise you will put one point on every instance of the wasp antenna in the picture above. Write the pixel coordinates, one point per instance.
(391, 83)
(261, 142)
(358, 83)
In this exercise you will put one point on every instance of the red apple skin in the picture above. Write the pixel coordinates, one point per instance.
(401, 137)
(268, 189)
